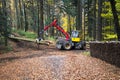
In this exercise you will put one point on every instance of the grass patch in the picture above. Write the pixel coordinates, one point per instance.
(86, 53)
(27, 34)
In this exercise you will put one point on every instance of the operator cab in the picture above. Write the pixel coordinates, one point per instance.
(75, 36)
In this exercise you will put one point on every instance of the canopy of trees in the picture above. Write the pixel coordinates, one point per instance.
(95, 19)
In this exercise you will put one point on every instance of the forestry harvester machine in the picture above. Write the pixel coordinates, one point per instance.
(69, 42)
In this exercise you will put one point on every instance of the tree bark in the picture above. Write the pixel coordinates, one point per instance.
(79, 15)
(48, 18)
(99, 26)
(21, 15)
(38, 21)
(33, 16)
(17, 14)
(41, 17)
(94, 23)
(5, 22)
(89, 19)
(25, 17)
(116, 20)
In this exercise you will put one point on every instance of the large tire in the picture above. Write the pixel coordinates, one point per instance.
(59, 45)
(83, 47)
(67, 45)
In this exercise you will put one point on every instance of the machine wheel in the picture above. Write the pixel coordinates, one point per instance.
(67, 45)
(83, 45)
(59, 45)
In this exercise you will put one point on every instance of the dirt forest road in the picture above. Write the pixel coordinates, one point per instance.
(48, 63)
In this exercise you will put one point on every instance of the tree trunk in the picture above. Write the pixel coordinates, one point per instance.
(33, 16)
(17, 14)
(5, 21)
(116, 20)
(38, 21)
(48, 18)
(52, 30)
(89, 19)
(79, 15)
(94, 23)
(21, 15)
(99, 26)
(25, 17)
(41, 18)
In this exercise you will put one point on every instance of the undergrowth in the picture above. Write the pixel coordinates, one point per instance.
(5, 49)
(27, 34)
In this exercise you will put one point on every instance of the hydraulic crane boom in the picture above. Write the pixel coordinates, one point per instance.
(70, 42)
(54, 24)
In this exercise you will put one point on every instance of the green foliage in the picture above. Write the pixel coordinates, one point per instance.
(107, 13)
(109, 33)
(47, 21)
(87, 53)
(27, 34)
(118, 6)
(110, 37)
(87, 38)
(108, 28)
(2, 41)
(69, 7)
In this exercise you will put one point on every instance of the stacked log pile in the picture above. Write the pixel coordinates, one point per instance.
(107, 51)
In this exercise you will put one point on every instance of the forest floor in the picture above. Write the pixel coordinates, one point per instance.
(27, 62)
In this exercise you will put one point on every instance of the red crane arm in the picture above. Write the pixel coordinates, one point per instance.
(54, 24)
